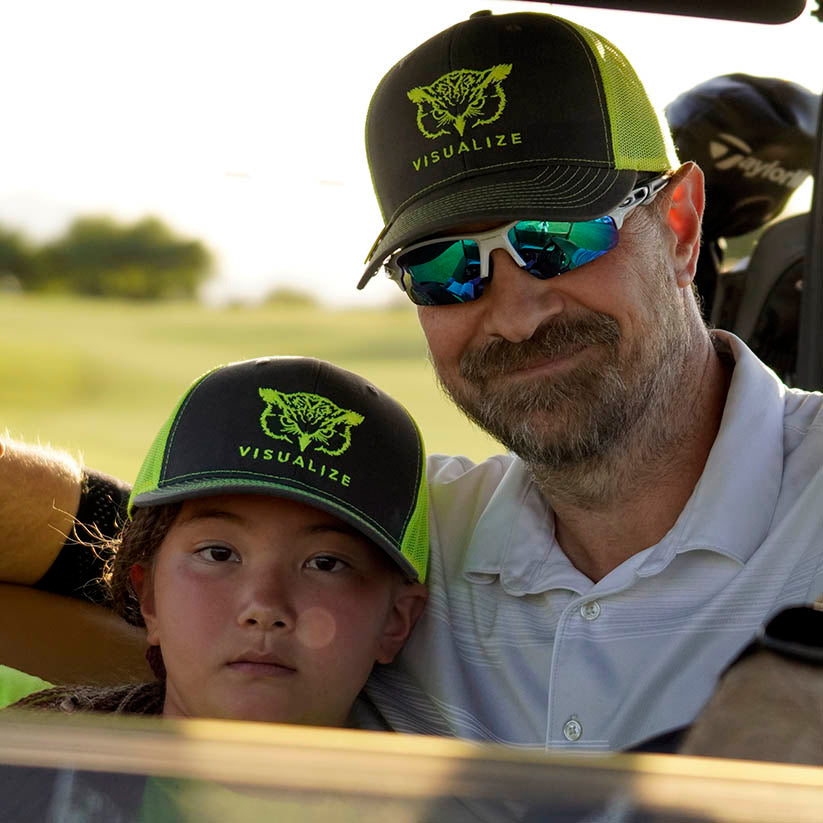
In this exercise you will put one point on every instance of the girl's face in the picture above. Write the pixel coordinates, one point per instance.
(268, 609)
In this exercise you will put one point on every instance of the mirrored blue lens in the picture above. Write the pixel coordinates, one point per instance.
(441, 273)
(549, 247)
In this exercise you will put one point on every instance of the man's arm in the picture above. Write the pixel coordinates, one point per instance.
(63, 640)
(68, 641)
(769, 703)
(57, 519)
(39, 496)
(765, 708)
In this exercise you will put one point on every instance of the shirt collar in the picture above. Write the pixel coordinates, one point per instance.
(513, 540)
(732, 505)
(729, 511)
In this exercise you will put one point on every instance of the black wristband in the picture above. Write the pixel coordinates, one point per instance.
(77, 569)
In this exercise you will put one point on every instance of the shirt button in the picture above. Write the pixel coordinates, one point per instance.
(572, 729)
(590, 610)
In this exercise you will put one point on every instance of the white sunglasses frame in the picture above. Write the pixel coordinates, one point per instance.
(497, 238)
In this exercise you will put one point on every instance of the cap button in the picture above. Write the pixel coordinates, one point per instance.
(482, 13)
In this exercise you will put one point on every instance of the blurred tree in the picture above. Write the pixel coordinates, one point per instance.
(145, 260)
(16, 258)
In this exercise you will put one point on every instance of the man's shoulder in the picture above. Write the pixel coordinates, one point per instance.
(443, 469)
(804, 410)
(756, 386)
(460, 489)
(803, 426)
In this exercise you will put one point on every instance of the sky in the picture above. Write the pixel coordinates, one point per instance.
(241, 123)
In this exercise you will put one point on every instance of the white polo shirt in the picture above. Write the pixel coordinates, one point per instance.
(517, 646)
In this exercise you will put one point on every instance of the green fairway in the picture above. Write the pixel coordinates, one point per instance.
(98, 377)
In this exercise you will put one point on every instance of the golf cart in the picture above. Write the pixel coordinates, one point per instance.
(90, 769)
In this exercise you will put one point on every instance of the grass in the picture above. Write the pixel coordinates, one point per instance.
(99, 377)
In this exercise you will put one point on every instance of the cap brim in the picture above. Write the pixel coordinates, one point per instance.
(211, 487)
(535, 192)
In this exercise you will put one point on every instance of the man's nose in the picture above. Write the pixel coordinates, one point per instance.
(516, 303)
(266, 604)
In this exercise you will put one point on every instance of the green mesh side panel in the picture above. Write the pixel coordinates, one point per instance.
(149, 475)
(639, 140)
(415, 544)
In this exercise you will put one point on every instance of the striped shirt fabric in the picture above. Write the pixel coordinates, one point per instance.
(518, 647)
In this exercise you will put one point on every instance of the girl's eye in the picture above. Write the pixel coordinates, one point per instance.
(327, 563)
(218, 554)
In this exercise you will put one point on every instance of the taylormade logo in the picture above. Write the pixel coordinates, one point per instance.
(734, 153)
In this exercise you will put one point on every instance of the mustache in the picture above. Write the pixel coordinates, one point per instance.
(563, 336)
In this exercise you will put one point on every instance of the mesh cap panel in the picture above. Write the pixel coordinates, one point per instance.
(415, 544)
(637, 130)
(150, 472)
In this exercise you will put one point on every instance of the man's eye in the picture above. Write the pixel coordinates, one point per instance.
(327, 563)
(217, 554)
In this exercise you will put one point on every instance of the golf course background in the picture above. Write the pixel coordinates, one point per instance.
(99, 377)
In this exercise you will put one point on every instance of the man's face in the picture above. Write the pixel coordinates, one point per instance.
(267, 609)
(562, 371)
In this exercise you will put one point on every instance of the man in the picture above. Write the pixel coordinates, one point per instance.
(659, 504)
(586, 593)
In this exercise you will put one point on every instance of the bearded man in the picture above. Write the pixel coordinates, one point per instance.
(658, 502)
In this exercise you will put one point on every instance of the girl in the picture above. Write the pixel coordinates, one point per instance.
(276, 548)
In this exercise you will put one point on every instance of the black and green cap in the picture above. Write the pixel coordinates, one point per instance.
(302, 429)
(504, 117)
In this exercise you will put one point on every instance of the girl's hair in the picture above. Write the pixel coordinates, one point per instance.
(137, 543)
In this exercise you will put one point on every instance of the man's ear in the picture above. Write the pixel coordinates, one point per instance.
(685, 215)
(143, 586)
(409, 601)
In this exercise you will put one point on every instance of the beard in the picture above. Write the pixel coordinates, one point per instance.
(585, 415)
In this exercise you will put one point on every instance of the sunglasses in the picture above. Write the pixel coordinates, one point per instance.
(456, 269)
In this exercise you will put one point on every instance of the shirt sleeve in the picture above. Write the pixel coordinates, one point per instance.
(78, 568)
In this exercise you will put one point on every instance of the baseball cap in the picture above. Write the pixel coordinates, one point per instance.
(502, 117)
(754, 138)
(305, 430)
